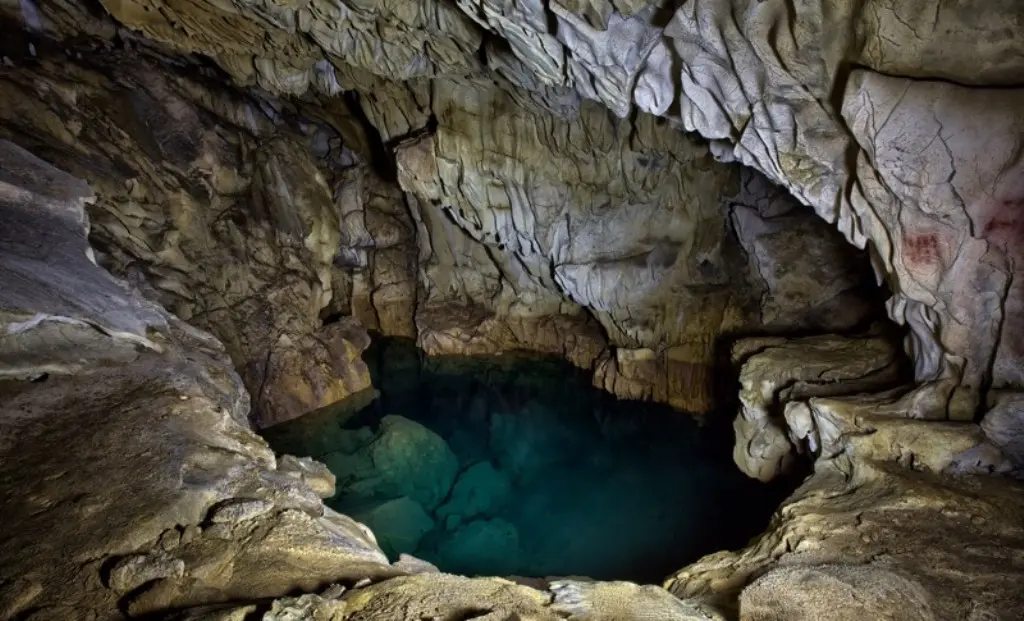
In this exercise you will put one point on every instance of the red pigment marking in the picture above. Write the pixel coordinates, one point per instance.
(921, 249)
(1006, 226)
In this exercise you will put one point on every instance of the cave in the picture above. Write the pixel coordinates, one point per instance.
(576, 310)
(519, 466)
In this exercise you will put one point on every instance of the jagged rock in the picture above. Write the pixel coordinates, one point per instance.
(612, 601)
(252, 213)
(444, 596)
(207, 204)
(875, 430)
(239, 510)
(151, 421)
(490, 248)
(872, 526)
(306, 608)
(777, 372)
(313, 473)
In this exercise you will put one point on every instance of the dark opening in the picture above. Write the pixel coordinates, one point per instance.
(518, 466)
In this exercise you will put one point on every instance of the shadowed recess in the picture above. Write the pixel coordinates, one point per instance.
(518, 466)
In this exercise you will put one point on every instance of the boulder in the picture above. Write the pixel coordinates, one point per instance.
(480, 489)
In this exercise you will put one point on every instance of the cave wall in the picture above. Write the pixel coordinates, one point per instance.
(461, 200)
(224, 215)
(808, 108)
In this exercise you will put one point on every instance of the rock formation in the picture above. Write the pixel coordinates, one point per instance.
(466, 210)
(132, 484)
(486, 176)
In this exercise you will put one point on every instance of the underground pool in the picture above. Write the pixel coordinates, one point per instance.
(518, 466)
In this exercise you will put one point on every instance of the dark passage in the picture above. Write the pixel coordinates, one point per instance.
(518, 466)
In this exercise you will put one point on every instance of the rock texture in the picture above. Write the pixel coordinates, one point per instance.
(458, 201)
(224, 216)
(161, 501)
(491, 175)
(159, 496)
(878, 532)
(777, 373)
(214, 500)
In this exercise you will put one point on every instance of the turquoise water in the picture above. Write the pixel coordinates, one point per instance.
(517, 466)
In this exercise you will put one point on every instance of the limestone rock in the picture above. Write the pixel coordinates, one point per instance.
(412, 565)
(446, 596)
(152, 424)
(135, 571)
(1003, 425)
(208, 206)
(239, 510)
(399, 524)
(479, 489)
(407, 460)
(779, 372)
(613, 601)
(306, 608)
(840, 592)
(882, 534)
(312, 473)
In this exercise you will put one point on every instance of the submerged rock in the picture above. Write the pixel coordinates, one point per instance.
(480, 489)
(408, 460)
(398, 524)
(485, 546)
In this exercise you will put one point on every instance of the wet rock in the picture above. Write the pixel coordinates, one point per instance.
(488, 546)
(479, 489)
(397, 524)
(412, 565)
(314, 474)
(154, 432)
(408, 460)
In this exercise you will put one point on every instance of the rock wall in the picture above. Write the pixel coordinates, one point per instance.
(162, 503)
(483, 176)
(868, 112)
(219, 207)
(466, 205)
(864, 111)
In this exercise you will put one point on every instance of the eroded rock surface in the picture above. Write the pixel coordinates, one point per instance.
(461, 202)
(439, 170)
(128, 464)
(132, 484)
